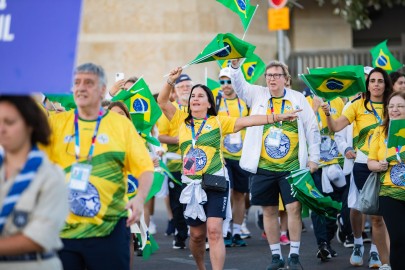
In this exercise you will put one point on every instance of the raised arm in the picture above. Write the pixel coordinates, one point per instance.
(334, 125)
(258, 120)
(164, 96)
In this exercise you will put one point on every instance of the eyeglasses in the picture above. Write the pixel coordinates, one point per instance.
(222, 82)
(399, 107)
(276, 76)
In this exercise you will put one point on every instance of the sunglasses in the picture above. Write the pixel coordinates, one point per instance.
(225, 82)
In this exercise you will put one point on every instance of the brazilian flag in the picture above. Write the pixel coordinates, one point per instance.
(396, 133)
(234, 48)
(241, 7)
(142, 106)
(330, 83)
(66, 100)
(252, 68)
(383, 58)
(214, 86)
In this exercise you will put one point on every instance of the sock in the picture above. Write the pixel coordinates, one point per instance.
(294, 248)
(236, 228)
(283, 232)
(373, 248)
(276, 249)
(358, 241)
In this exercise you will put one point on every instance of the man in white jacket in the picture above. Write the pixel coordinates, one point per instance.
(272, 151)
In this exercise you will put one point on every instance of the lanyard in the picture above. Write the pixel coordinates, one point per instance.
(282, 107)
(194, 137)
(239, 107)
(398, 150)
(375, 113)
(93, 139)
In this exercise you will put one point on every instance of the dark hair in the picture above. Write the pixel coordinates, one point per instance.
(122, 107)
(386, 121)
(211, 111)
(395, 76)
(387, 90)
(132, 79)
(105, 103)
(33, 116)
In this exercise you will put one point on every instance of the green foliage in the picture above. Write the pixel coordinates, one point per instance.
(356, 12)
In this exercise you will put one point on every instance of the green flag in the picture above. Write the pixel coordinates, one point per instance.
(396, 133)
(252, 68)
(330, 83)
(383, 58)
(235, 48)
(158, 178)
(142, 106)
(241, 7)
(151, 245)
(66, 101)
(214, 86)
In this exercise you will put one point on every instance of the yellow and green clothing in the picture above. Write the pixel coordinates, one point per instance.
(392, 180)
(118, 150)
(208, 145)
(366, 121)
(284, 157)
(166, 128)
(332, 155)
(230, 107)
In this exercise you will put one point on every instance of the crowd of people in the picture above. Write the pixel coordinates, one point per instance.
(74, 185)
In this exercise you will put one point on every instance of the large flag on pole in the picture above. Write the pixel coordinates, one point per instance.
(383, 58)
(241, 7)
(66, 101)
(330, 83)
(142, 107)
(233, 48)
(396, 133)
(252, 68)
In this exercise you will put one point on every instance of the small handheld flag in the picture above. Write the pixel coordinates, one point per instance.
(396, 133)
(383, 58)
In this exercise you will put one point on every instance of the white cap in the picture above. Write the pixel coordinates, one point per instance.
(367, 70)
(336, 175)
(225, 72)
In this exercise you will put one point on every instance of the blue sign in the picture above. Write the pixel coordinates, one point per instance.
(38, 40)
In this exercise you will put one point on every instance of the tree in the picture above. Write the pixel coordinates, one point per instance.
(356, 12)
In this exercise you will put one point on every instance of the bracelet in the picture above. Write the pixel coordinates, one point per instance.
(170, 83)
(327, 114)
(110, 94)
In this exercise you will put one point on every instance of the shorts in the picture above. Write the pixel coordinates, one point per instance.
(214, 207)
(265, 187)
(360, 175)
(238, 177)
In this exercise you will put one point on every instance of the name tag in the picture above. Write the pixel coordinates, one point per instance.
(326, 143)
(274, 138)
(79, 177)
(235, 138)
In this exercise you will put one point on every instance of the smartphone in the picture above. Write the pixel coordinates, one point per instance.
(119, 76)
(189, 164)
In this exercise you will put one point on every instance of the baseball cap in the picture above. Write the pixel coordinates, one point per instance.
(182, 78)
(367, 70)
(225, 72)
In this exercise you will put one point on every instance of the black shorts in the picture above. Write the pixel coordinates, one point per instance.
(265, 187)
(360, 175)
(238, 177)
(214, 207)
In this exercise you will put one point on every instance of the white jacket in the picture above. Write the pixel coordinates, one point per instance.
(257, 98)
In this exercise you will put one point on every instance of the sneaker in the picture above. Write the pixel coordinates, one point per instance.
(323, 252)
(207, 245)
(228, 240)
(357, 256)
(284, 240)
(294, 262)
(179, 243)
(237, 241)
(245, 233)
(385, 267)
(332, 252)
(374, 260)
(276, 262)
(340, 235)
(152, 227)
(349, 242)
(170, 228)
(259, 220)
(366, 238)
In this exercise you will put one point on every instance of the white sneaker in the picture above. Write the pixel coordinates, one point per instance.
(152, 227)
(244, 231)
(385, 267)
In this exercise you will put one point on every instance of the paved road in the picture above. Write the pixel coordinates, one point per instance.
(255, 256)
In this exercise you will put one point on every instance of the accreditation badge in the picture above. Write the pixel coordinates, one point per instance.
(189, 163)
(235, 138)
(274, 138)
(80, 177)
(326, 143)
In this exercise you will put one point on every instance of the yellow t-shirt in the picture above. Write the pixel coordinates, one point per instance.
(365, 120)
(328, 155)
(284, 157)
(118, 150)
(235, 108)
(208, 145)
(165, 128)
(393, 180)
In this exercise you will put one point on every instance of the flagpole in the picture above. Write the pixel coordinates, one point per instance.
(251, 18)
(200, 59)
(386, 143)
(206, 76)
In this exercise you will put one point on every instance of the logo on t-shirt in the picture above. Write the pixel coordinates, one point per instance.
(102, 138)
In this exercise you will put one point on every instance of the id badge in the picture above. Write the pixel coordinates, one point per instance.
(189, 165)
(79, 177)
(235, 138)
(326, 143)
(274, 138)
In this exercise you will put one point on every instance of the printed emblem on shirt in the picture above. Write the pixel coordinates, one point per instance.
(85, 204)
(398, 174)
(102, 138)
(20, 219)
(280, 151)
(68, 138)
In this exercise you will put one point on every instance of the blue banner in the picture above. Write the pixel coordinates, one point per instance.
(38, 40)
